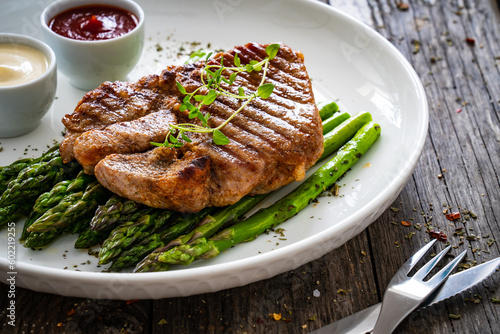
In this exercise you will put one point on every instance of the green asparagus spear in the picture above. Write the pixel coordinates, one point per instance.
(184, 223)
(19, 183)
(327, 109)
(207, 227)
(126, 234)
(115, 211)
(132, 256)
(70, 208)
(332, 122)
(51, 198)
(181, 224)
(42, 239)
(10, 172)
(89, 238)
(334, 139)
(212, 223)
(37, 179)
(48, 200)
(34, 215)
(78, 209)
(280, 211)
(12, 213)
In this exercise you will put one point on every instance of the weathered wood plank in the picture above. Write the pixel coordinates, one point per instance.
(46, 313)
(463, 143)
(301, 296)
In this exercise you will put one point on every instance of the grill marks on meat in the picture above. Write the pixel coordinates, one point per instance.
(272, 142)
(124, 137)
(116, 102)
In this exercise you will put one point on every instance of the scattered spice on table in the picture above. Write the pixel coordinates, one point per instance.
(470, 41)
(403, 6)
(416, 46)
(438, 235)
(453, 216)
(339, 291)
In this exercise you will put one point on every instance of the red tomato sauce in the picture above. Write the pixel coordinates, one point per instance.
(93, 22)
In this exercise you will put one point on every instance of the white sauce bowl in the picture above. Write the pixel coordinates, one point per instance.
(23, 105)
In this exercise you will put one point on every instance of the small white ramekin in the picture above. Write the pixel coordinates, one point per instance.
(22, 106)
(89, 63)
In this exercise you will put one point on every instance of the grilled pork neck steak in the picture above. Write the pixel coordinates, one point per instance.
(273, 141)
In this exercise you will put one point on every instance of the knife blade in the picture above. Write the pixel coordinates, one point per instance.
(363, 321)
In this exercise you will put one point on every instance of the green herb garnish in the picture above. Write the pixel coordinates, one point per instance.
(195, 56)
(213, 81)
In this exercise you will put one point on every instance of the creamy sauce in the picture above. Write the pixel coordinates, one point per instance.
(20, 64)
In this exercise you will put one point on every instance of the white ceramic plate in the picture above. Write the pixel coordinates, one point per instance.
(347, 61)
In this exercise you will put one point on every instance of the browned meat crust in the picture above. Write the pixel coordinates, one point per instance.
(114, 102)
(124, 137)
(272, 142)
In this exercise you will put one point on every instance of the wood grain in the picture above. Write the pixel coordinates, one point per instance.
(458, 170)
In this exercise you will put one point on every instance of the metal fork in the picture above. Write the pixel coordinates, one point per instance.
(404, 293)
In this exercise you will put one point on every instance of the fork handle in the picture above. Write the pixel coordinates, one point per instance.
(392, 313)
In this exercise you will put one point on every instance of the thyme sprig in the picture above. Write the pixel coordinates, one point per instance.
(213, 82)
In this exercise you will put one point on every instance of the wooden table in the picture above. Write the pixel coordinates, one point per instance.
(455, 48)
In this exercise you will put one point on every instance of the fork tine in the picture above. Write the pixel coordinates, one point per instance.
(426, 269)
(446, 271)
(412, 261)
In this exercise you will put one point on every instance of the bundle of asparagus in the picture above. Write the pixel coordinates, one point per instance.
(60, 199)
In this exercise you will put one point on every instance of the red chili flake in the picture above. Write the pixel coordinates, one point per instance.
(405, 223)
(459, 110)
(71, 312)
(453, 216)
(131, 301)
(438, 235)
(471, 41)
(259, 321)
(403, 6)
